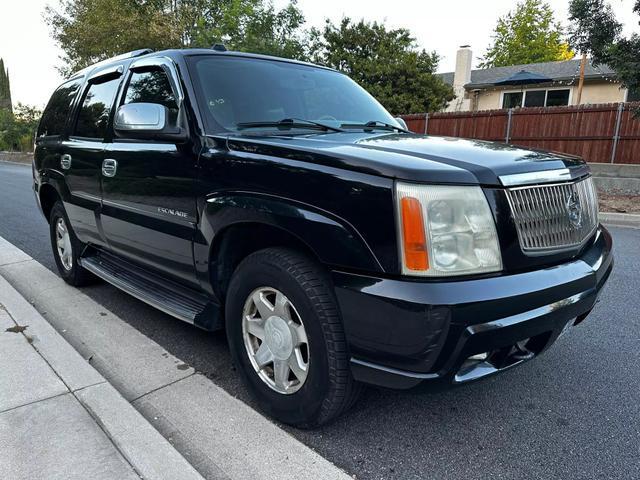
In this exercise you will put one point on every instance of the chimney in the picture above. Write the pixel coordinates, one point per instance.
(461, 77)
(462, 74)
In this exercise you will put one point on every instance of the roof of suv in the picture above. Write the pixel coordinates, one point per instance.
(148, 53)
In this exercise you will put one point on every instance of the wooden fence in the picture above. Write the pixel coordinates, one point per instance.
(606, 133)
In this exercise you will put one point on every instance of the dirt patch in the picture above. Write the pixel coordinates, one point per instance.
(619, 203)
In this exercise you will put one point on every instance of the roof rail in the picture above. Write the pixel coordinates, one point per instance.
(133, 53)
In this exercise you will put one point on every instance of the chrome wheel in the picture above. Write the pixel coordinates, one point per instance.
(63, 243)
(275, 340)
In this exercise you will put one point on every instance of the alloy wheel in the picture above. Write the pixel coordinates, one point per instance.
(63, 244)
(275, 340)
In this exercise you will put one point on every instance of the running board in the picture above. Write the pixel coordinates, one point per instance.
(172, 298)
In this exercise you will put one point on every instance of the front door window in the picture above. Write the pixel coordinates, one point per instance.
(93, 118)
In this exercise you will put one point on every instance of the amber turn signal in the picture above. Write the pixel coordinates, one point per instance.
(413, 236)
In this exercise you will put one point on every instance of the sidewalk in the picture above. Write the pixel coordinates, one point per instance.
(147, 398)
(60, 419)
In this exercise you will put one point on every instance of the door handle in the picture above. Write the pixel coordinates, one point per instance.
(109, 167)
(65, 161)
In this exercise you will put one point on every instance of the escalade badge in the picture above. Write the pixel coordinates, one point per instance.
(574, 209)
(171, 211)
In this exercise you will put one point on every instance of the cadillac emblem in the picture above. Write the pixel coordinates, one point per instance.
(574, 209)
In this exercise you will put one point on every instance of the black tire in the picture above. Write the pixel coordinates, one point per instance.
(76, 275)
(329, 389)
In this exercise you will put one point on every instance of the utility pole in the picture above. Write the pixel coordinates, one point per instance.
(583, 63)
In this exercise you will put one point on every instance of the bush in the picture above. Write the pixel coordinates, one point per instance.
(18, 128)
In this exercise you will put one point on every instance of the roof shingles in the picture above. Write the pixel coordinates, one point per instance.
(558, 71)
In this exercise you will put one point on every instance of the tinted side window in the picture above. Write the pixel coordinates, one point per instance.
(58, 109)
(152, 87)
(96, 107)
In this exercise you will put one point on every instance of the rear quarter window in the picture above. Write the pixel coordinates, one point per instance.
(58, 109)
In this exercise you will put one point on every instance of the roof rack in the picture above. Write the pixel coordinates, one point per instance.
(133, 53)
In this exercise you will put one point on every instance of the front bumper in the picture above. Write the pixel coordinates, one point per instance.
(404, 332)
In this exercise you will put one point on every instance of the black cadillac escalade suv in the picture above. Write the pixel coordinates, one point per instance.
(279, 201)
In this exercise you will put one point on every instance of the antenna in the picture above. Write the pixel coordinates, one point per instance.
(219, 47)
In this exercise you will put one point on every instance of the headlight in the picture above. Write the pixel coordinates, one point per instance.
(446, 230)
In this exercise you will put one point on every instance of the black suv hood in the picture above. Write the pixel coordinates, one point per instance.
(418, 158)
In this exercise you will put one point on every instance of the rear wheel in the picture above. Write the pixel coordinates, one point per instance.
(286, 336)
(67, 248)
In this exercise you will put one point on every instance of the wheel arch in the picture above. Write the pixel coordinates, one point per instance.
(239, 240)
(244, 223)
(48, 196)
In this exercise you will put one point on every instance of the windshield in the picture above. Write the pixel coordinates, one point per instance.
(234, 91)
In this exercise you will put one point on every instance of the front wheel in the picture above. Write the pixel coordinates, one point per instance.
(67, 248)
(286, 335)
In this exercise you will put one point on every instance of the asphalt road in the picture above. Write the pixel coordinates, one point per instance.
(573, 413)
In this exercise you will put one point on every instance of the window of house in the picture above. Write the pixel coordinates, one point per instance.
(536, 98)
(152, 86)
(512, 100)
(557, 98)
(633, 95)
(93, 118)
(58, 109)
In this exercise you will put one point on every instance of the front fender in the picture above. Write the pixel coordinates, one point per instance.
(333, 240)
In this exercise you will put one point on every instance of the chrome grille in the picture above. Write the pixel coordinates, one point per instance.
(554, 217)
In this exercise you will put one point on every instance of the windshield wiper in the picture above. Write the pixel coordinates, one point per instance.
(376, 124)
(289, 123)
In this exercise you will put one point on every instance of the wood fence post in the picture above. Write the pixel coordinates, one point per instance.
(508, 134)
(426, 122)
(616, 132)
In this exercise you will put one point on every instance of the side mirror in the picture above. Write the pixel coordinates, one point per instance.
(146, 121)
(402, 123)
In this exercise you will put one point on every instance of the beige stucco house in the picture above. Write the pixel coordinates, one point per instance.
(476, 89)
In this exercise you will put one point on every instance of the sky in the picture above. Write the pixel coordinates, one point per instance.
(31, 55)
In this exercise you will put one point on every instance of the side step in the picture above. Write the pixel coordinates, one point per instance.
(172, 298)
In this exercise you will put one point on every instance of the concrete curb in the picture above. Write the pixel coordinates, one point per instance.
(10, 162)
(618, 185)
(148, 452)
(629, 220)
(19, 158)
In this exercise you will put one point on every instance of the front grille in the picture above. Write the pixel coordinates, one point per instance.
(555, 217)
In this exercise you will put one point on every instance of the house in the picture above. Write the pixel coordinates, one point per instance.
(477, 89)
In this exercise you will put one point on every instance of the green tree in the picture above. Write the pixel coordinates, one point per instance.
(5, 87)
(17, 128)
(386, 63)
(275, 32)
(92, 30)
(595, 30)
(527, 35)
